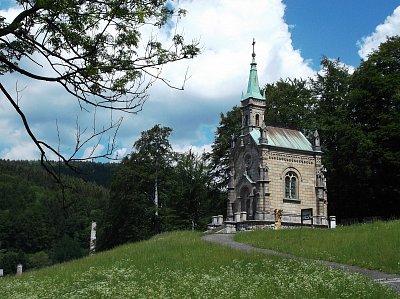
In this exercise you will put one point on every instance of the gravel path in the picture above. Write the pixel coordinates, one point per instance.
(392, 280)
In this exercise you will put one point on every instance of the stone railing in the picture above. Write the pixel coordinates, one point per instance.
(240, 221)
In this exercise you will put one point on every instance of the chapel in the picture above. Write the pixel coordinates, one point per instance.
(273, 169)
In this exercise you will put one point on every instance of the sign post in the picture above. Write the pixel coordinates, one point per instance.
(307, 214)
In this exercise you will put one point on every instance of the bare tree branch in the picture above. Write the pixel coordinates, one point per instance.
(95, 51)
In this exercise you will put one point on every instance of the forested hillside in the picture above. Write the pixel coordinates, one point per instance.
(152, 190)
(42, 223)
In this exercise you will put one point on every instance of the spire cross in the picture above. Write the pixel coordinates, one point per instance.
(254, 42)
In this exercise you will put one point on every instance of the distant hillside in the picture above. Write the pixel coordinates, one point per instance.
(99, 173)
(40, 223)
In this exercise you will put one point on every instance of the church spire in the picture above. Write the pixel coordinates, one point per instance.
(253, 88)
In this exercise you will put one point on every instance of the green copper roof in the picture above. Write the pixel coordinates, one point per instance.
(285, 138)
(253, 88)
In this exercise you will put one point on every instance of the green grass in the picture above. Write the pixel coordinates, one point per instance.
(181, 265)
(373, 245)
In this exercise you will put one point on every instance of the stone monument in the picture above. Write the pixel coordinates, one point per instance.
(92, 247)
(278, 218)
(19, 270)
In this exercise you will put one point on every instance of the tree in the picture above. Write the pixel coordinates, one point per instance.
(191, 202)
(351, 110)
(130, 214)
(92, 49)
(66, 249)
(229, 127)
(374, 104)
(290, 105)
(153, 154)
(139, 189)
(330, 89)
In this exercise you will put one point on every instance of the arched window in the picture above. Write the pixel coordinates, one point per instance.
(291, 185)
(246, 120)
(257, 120)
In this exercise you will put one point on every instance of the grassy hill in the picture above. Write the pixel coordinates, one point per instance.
(181, 265)
(372, 245)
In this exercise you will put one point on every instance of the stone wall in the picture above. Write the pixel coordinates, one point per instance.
(279, 163)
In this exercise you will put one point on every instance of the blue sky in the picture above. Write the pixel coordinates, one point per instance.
(332, 28)
(291, 37)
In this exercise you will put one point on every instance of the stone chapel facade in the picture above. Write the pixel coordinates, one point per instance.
(273, 169)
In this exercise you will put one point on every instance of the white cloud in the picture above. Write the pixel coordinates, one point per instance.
(219, 75)
(226, 29)
(93, 151)
(390, 27)
(199, 150)
(10, 13)
(120, 153)
(23, 151)
(17, 145)
(350, 69)
(217, 78)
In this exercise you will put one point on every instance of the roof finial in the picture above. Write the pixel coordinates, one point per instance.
(253, 88)
(254, 42)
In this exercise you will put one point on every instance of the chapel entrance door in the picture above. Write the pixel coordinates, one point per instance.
(245, 200)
